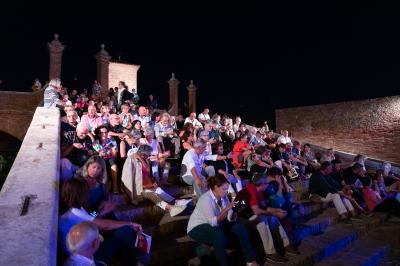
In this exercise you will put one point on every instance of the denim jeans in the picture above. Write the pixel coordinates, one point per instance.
(216, 236)
(120, 239)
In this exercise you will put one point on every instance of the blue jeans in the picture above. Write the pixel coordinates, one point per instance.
(216, 236)
(120, 239)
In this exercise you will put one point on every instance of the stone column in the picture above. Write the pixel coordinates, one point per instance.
(103, 62)
(173, 95)
(192, 97)
(56, 49)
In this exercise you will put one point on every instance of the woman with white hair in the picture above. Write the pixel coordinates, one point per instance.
(157, 158)
(139, 183)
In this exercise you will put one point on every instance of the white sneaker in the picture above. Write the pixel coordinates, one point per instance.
(177, 209)
(182, 202)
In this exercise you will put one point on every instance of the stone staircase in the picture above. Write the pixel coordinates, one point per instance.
(324, 241)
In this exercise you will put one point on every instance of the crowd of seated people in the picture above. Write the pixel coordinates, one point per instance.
(115, 147)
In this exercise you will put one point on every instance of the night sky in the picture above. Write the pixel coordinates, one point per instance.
(243, 61)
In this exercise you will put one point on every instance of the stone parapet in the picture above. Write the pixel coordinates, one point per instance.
(31, 239)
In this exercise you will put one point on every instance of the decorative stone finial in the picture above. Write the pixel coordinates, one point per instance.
(56, 37)
(173, 76)
(191, 83)
(102, 46)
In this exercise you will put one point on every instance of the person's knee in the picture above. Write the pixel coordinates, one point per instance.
(188, 180)
(336, 196)
(218, 236)
(239, 229)
(65, 163)
(210, 170)
(273, 222)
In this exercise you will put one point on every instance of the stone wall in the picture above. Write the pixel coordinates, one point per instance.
(122, 72)
(31, 239)
(16, 111)
(369, 127)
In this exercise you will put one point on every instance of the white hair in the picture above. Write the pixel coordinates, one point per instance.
(55, 83)
(200, 144)
(82, 125)
(81, 237)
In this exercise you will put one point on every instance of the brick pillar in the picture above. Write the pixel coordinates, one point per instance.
(56, 49)
(173, 95)
(103, 62)
(192, 97)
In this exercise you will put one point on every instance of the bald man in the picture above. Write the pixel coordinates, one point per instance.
(92, 118)
(192, 119)
(76, 148)
(83, 240)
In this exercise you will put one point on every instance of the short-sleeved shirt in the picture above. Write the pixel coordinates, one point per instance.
(255, 197)
(77, 156)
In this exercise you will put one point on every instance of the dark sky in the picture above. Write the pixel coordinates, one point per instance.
(244, 61)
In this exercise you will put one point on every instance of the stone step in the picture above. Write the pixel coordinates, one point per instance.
(321, 237)
(169, 226)
(364, 251)
(317, 247)
(172, 251)
(308, 207)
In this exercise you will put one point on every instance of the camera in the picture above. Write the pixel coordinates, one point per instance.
(239, 205)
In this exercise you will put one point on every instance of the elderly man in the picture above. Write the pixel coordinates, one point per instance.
(204, 116)
(52, 94)
(69, 126)
(284, 138)
(236, 125)
(142, 116)
(194, 171)
(83, 240)
(192, 119)
(92, 118)
(75, 150)
(115, 129)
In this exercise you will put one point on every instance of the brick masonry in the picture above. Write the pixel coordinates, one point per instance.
(122, 72)
(16, 111)
(369, 127)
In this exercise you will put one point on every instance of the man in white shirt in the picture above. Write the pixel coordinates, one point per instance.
(284, 138)
(192, 119)
(83, 240)
(236, 126)
(142, 117)
(193, 172)
(204, 116)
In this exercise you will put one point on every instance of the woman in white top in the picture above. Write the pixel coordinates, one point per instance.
(213, 217)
